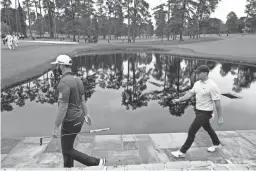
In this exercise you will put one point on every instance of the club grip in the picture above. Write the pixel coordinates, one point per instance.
(99, 130)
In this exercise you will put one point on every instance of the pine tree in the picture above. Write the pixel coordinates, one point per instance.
(23, 26)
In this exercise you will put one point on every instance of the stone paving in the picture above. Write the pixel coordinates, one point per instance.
(136, 152)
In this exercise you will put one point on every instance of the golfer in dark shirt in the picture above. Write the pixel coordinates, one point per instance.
(72, 113)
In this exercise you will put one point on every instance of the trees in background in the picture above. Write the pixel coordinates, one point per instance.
(113, 19)
(250, 20)
(176, 16)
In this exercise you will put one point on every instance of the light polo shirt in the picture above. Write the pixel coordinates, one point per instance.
(206, 92)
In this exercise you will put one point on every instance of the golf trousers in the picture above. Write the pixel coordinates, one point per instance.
(67, 142)
(202, 119)
(10, 45)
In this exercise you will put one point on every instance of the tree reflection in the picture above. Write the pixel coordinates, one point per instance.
(89, 83)
(246, 75)
(116, 72)
(133, 96)
(243, 75)
(41, 90)
(226, 68)
(7, 98)
(176, 81)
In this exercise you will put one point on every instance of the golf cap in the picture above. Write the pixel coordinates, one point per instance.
(63, 60)
(202, 68)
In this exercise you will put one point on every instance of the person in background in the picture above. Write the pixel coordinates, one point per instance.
(9, 41)
(15, 40)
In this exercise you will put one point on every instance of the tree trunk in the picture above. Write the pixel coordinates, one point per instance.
(169, 10)
(199, 11)
(29, 23)
(245, 25)
(165, 74)
(41, 25)
(55, 22)
(11, 29)
(84, 20)
(5, 14)
(128, 22)
(128, 79)
(182, 20)
(73, 20)
(134, 78)
(16, 16)
(134, 20)
(197, 30)
(7, 18)
(36, 9)
(50, 19)
(74, 36)
(174, 35)
(101, 19)
(109, 28)
(115, 37)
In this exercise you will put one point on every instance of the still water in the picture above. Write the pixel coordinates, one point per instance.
(131, 93)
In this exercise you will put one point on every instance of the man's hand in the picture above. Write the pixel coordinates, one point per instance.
(212, 118)
(55, 132)
(220, 121)
(176, 101)
(88, 119)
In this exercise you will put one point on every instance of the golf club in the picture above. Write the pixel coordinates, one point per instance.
(90, 131)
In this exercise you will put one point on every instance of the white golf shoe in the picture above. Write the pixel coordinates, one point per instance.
(178, 154)
(214, 148)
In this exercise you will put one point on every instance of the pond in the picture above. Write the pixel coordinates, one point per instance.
(131, 94)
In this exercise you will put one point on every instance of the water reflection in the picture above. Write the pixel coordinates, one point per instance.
(140, 78)
(244, 75)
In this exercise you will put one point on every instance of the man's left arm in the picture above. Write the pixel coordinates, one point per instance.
(215, 95)
(218, 108)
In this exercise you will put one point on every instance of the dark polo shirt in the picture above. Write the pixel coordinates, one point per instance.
(70, 90)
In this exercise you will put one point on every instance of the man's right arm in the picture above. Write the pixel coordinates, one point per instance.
(82, 94)
(187, 96)
(87, 117)
(84, 107)
(83, 104)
